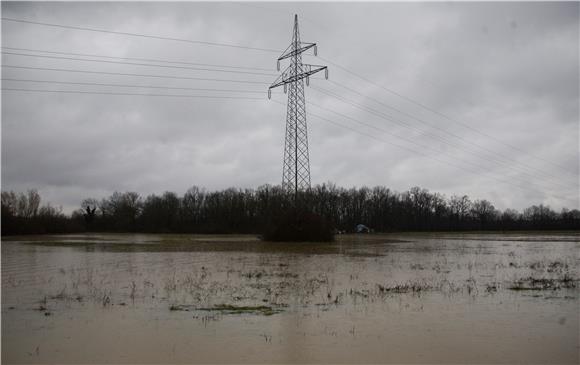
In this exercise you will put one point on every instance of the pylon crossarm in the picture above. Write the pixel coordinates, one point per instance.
(287, 79)
(290, 52)
(309, 66)
(280, 80)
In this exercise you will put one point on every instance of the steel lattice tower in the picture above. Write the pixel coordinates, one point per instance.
(296, 166)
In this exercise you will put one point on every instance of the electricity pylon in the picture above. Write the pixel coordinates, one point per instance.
(296, 170)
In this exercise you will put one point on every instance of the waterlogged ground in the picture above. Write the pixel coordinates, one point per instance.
(407, 298)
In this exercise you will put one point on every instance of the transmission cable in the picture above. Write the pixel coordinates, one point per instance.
(131, 74)
(140, 35)
(440, 138)
(130, 86)
(445, 116)
(135, 59)
(533, 168)
(315, 89)
(475, 172)
(394, 135)
(277, 51)
(137, 64)
(443, 139)
(254, 48)
(132, 94)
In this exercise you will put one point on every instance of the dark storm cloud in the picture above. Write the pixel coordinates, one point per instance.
(509, 70)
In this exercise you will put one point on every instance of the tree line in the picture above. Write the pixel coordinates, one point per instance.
(23, 214)
(253, 210)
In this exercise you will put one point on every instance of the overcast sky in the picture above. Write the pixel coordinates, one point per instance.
(499, 80)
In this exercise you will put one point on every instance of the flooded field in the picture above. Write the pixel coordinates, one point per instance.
(405, 298)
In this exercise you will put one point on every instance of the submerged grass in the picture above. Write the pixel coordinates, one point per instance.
(415, 287)
(531, 283)
(232, 309)
(300, 275)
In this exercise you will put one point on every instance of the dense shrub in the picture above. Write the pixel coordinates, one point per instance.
(300, 226)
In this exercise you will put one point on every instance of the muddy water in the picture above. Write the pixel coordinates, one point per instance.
(409, 298)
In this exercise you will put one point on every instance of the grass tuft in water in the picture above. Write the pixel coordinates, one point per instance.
(231, 309)
(530, 283)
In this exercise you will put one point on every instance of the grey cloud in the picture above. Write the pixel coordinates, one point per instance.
(507, 69)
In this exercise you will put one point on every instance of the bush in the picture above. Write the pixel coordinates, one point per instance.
(300, 226)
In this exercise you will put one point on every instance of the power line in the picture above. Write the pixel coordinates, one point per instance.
(131, 86)
(441, 138)
(131, 74)
(446, 117)
(197, 89)
(238, 46)
(137, 64)
(392, 134)
(135, 59)
(141, 35)
(435, 111)
(272, 50)
(475, 172)
(523, 188)
(378, 129)
(142, 86)
(131, 94)
(434, 158)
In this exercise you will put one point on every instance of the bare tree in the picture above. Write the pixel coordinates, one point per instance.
(33, 203)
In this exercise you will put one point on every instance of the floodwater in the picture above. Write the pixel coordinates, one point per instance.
(405, 298)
